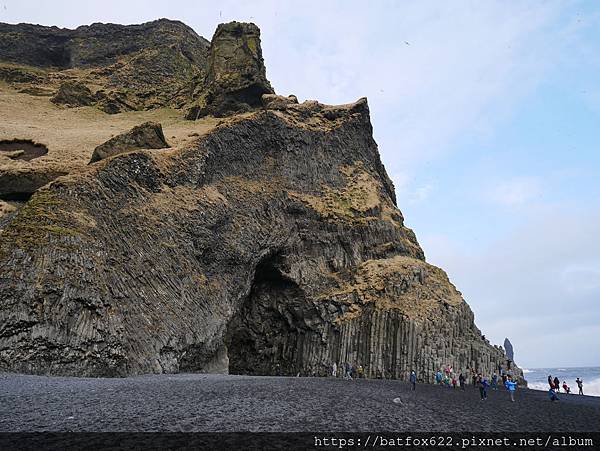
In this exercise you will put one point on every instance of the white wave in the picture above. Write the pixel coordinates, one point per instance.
(591, 387)
(525, 371)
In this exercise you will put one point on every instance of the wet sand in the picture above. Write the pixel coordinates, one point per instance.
(199, 403)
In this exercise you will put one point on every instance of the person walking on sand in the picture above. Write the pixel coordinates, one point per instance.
(566, 388)
(413, 380)
(579, 385)
(461, 381)
(334, 370)
(495, 381)
(483, 386)
(550, 383)
(347, 371)
(438, 377)
(552, 394)
(454, 381)
(557, 384)
(511, 386)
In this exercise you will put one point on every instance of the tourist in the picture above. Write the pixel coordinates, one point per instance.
(461, 381)
(552, 394)
(580, 385)
(511, 386)
(550, 383)
(347, 372)
(454, 381)
(566, 388)
(557, 384)
(438, 377)
(413, 380)
(495, 381)
(360, 371)
(334, 370)
(483, 386)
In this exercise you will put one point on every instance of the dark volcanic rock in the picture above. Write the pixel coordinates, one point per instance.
(148, 135)
(95, 45)
(155, 62)
(272, 245)
(21, 183)
(20, 75)
(73, 93)
(236, 77)
(276, 102)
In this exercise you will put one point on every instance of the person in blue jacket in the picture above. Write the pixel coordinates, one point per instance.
(511, 386)
(552, 394)
(494, 384)
(413, 380)
(483, 386)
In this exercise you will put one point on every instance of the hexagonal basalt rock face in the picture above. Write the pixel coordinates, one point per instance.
(272, 245)
(267, 242)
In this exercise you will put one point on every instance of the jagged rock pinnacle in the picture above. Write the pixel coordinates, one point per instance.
(236, 77)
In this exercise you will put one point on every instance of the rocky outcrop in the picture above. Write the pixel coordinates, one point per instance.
(272, 245)
(96, 45)
(236, 77)
(148, 135)
(269, 243)
(153, 64)
(276, 102)
(20, 184)
(138, 67)
(73, 94)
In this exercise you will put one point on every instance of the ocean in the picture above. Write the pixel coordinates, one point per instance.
(537, 378)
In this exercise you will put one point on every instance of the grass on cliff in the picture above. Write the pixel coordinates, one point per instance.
(37, 221)
(360, 201)
(411, 286)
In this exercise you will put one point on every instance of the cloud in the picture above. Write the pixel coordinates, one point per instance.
(536, 284)
(421, 193)
(409, 191)
(581, 280)
(516, 191)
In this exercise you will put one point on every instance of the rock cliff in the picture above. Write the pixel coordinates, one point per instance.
(129, 66)
(236, 77)
(118, 69)
(267, 243)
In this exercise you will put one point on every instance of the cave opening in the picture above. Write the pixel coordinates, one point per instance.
(22, 149)
(251, 95)
(265, 336)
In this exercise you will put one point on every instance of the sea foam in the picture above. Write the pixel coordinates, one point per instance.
(591, 387)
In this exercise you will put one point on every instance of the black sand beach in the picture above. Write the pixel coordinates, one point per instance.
(194, 402)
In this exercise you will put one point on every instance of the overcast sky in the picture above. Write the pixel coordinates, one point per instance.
(487, 116)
